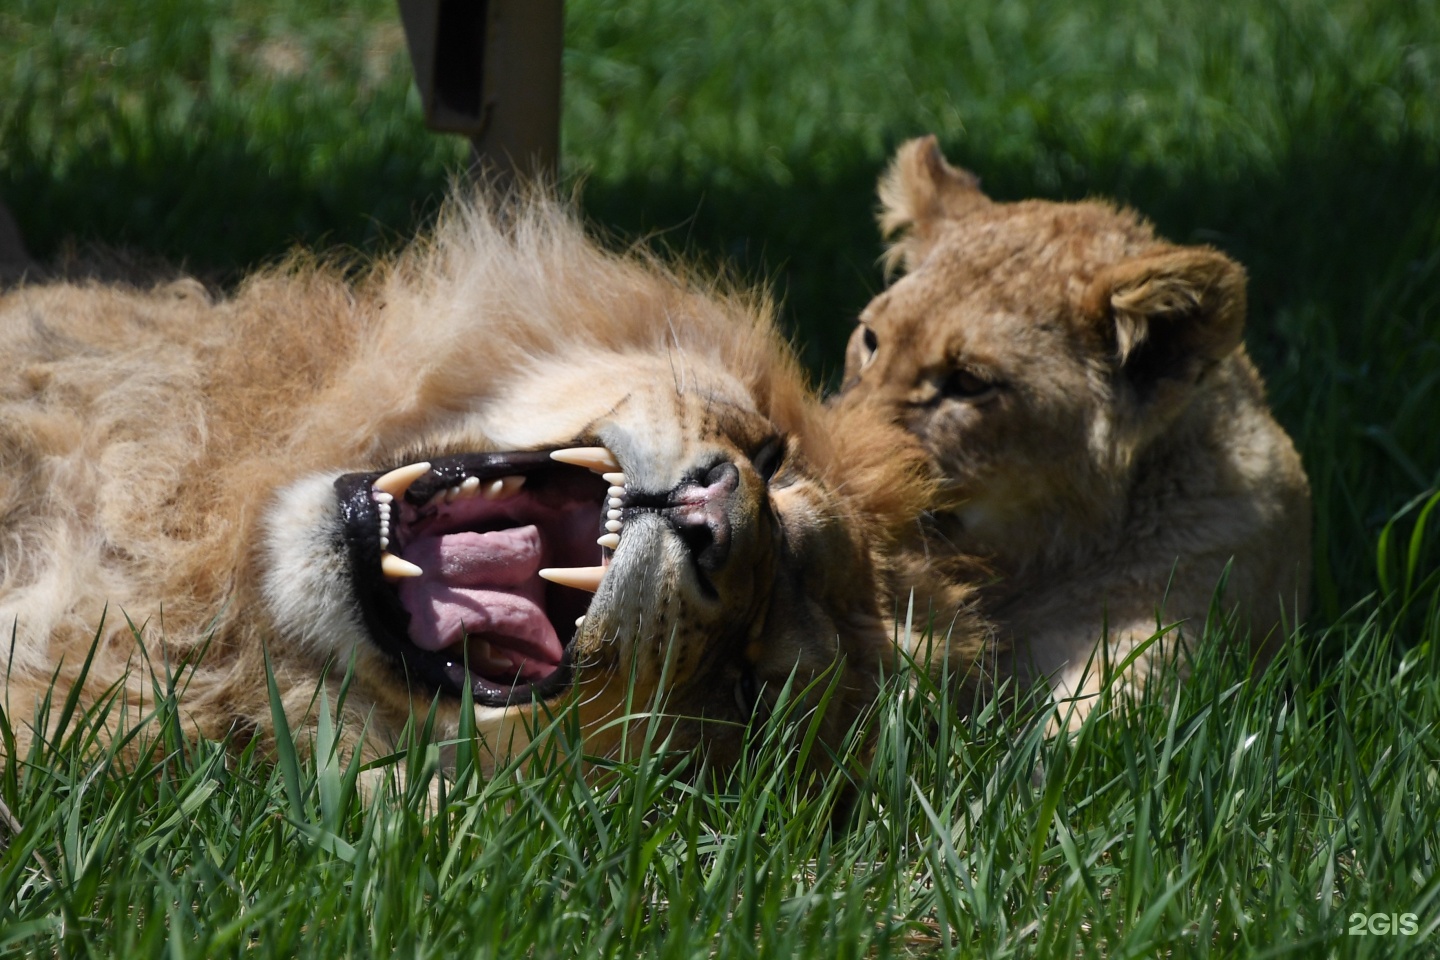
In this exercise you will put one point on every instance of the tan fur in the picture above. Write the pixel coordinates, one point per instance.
(1081, 387)
(167, 456)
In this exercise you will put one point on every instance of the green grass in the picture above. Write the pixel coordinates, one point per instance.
(1237, 817)
(1243, 817)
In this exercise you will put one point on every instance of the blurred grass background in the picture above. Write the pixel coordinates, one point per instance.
(1302, 137)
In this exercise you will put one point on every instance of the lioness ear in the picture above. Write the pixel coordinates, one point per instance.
(1170, 315)
(917, 190)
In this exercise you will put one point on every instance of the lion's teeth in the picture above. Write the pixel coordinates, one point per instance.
(384, 542)
(398, 567)
(610, 541)
(614, 526)
(594, 459)
(397, 481)
(503, 488)
(579, 621)
(613, 515)
(582, 578)
(470, 486)
(616, 492)
(483, 655)
(381, 497)
(614, 479)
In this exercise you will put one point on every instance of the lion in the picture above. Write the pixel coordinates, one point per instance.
(504, 461)
(1081, 388)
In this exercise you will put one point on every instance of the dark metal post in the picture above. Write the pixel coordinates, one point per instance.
(490, 70)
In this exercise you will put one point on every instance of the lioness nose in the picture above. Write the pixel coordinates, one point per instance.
(700, 513)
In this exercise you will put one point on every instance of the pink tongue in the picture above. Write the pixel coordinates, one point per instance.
(483, 585)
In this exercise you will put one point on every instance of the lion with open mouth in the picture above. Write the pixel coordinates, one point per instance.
(505, 460)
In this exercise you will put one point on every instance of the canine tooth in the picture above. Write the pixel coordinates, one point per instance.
(398, 567)
(381, 497)
(582, 578)
(397, 481)
(613, 515)
(594, 459)
(610, 540)
(614, 479)
(616, 492)
(614, 526)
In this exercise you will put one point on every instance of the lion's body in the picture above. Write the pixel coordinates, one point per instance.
(172, 459)
(1081, 387)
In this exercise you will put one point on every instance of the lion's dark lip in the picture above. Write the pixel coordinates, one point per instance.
(387, 622)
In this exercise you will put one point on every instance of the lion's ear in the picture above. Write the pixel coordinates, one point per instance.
(917, 191)
(1171, 314)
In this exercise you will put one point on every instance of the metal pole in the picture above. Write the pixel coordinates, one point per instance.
(490, 70)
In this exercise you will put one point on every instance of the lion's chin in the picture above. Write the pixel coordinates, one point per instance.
(473, 569)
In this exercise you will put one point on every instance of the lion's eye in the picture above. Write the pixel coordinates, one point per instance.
(871, 342)
(769, 457)
(966, 385)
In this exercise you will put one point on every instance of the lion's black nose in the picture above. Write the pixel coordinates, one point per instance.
(699, 511)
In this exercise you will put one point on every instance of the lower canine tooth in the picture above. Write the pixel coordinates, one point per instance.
(397, 567)
(397, 481)
(582, 578)
(595, 459)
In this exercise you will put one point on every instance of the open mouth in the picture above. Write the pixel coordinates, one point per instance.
(475, 569)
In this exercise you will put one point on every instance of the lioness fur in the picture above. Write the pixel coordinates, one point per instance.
(210, 469)
(1082, 388)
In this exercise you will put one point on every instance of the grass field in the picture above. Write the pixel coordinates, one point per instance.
(1243, 818)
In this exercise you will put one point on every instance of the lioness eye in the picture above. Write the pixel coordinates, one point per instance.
(863, 344)
(966, 385)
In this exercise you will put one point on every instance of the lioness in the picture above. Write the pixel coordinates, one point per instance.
(1081, 386)
(505, 460)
